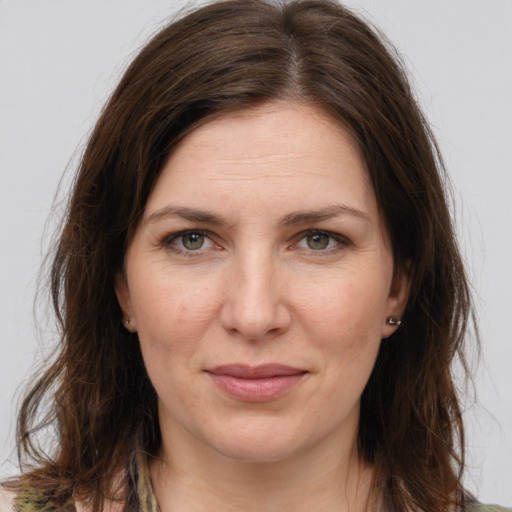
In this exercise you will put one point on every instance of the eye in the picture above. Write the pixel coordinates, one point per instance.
(192, 241)
(318, 241)
(188, 241)
(321, 241)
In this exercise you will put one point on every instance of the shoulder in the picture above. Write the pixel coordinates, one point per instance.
(6, 500)
(479, 507)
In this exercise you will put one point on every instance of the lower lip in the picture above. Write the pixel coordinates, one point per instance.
(256, 390)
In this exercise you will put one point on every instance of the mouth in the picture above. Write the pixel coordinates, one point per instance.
(255, 383)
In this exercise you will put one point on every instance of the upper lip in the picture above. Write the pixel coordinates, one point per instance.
(245, 371)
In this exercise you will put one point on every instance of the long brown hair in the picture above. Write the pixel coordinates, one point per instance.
(222, 58)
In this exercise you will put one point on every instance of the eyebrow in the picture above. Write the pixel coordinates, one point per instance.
(312, 216)
(190, 214)
(292, 219)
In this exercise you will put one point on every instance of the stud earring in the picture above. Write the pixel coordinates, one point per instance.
(127, 322)
(391, 320)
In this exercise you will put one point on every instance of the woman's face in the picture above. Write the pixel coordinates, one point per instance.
(259, 282)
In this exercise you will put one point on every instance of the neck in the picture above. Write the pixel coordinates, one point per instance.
(319, 479)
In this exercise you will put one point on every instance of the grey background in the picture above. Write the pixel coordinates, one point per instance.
(59, 59)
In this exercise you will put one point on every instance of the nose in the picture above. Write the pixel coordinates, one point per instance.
(255, 307)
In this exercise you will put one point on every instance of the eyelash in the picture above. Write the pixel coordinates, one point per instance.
(341, 241)
(168, 241)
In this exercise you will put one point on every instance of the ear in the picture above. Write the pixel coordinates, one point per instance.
(397, 301)
(125, 302)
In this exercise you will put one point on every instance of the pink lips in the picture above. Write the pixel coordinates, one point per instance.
(255, 383)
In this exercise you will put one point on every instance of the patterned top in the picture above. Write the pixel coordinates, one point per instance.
(146, 498)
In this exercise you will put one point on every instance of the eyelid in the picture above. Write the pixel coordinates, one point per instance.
(167, 241)
(169, 237)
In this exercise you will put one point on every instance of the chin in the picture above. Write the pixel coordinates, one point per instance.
(261, 442)
(259, 451)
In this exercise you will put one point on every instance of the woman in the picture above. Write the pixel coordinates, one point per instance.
(257, 282)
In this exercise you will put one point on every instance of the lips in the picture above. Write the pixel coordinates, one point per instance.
(255, 383)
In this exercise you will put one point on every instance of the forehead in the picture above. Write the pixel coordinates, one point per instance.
(279, 124)
(279, 148)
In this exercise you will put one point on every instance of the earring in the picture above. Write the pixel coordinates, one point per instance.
(391, 320)
(127, 322)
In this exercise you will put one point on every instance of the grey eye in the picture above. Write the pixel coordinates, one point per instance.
(192, 241)
(318, 241)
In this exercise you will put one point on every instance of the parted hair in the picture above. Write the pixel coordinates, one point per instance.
(218, 59)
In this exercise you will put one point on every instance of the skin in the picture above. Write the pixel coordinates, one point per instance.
(271, 283)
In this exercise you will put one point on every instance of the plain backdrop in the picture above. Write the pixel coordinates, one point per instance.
(60, 59)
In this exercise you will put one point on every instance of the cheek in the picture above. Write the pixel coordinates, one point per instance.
(344, 320)
(346, 307)
(173, 313)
